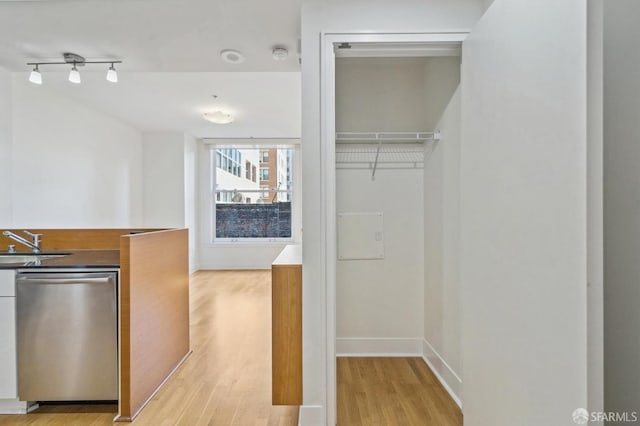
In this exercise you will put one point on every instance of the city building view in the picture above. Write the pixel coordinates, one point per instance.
(253, 189)
(253, 175)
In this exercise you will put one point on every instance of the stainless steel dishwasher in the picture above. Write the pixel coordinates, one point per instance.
(67, 336)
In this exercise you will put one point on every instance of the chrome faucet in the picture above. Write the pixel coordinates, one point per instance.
(34, 246)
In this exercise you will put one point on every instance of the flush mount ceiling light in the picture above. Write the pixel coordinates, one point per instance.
(232, 56)
(74, 75)
(279, 53)
(218, 117)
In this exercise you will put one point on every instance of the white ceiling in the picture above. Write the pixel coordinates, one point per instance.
(172, 65)
(265, 105)
(151, 35)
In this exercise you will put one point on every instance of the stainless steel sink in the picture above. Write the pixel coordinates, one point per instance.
(27, 258)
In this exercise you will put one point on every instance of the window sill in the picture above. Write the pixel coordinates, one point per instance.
(235, 243)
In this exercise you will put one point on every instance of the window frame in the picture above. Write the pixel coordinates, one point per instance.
(213, 192)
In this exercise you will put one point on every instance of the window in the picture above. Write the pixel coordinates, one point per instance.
(264, 156)
(246, 205)
(229, 160)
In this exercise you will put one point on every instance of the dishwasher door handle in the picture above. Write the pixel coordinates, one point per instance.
(64, 277)
(59, 281)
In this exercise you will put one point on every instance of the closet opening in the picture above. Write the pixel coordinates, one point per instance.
(396, 157)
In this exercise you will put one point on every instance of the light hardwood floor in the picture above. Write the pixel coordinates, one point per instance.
(392, 391)
(227, 379)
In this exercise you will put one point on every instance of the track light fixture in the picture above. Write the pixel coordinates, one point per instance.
(74, 75)
(35, 77)
(112, 75)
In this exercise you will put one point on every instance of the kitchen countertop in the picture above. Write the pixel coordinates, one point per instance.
(73, 259)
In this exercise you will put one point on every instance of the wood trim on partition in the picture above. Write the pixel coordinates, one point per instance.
(286, 318)
(74, 239)
(154, 313)
(124, 321)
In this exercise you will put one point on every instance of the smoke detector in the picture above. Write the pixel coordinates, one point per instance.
(279, 53)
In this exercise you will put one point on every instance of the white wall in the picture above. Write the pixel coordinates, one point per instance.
(379, 302)
(441, 253)
(523, 214)
(163, 169)
(169, 174)
(343, 16)
(393, 94)
(191, 197)
(381, 94)
(621, 205)
(72, 166)
(238, 255)
(380, 306)
(488, 3)
(5, 148)
(441, 80)
(595, 243)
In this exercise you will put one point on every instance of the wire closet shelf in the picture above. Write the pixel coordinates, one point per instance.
(382, 150)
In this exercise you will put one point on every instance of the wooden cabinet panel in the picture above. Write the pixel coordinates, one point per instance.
(286, 288)
(154, 314)
(74, 239)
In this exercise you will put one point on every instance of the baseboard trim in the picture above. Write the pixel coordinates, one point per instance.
(310, 415)
(14, 406)
(216, 267)
(378, 346)
(453, 383)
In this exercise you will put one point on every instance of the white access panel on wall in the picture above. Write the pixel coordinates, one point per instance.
(360, 236)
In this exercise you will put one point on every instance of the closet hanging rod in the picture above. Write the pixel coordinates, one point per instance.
(386, 137)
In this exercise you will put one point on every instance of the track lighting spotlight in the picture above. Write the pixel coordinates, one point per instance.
(112, 74)
(74, 75)
(35, 77)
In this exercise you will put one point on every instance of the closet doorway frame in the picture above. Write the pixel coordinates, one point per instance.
(329, 40)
